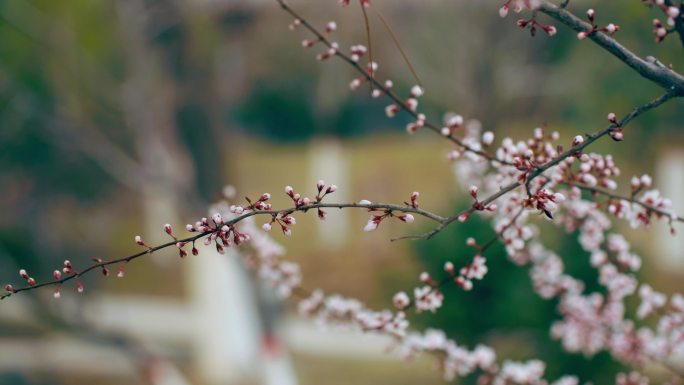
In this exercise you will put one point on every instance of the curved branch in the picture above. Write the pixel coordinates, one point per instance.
(648, 68)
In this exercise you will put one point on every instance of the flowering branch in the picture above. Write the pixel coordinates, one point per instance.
(610, 194)
(538, 171)
(71, 274)
(649, 68)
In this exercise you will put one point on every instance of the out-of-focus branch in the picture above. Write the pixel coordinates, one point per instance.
(613, 195)
(378, 85)
(648, 68)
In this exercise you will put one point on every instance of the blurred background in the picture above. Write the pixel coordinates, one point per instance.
(117, 117)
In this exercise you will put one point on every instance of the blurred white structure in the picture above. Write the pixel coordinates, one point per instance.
(670, 180)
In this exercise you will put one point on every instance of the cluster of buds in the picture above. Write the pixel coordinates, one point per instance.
(639, 184)
(364, 3)
(357, 51)
(332, 47)
(597, 170)
(453, 122)
(518, 6)
(383, 213)
(221, 232)
(69, 269)
(533, 24)
(285, 221)
(616, 133)
(428, 297)
(29, 280)
(371, 69)
(476, 269)
(610, 28)
(477, 205)
(375, 219)
(671, 13)
(322, 192)
(412, 127)
(260, 204)
(545, 201)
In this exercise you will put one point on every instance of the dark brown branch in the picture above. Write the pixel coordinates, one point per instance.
(649, 69)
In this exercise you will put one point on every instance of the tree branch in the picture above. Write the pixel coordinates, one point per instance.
(649, 69)
(272, 213)
(378, 85)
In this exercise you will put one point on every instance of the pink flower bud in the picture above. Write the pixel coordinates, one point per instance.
(391, 110)
(582, 35)
(488, 138)
(401, 300)
(612, 28)
(425, 277)
(672, 12)
(57, 294)
(503, 11)
(79, 287)
(31, 281)
(449, 267)
(416, 92)
(463, 217)
(138, 240)
(415, 195)
(295, 23)
(473, 191)
(121, 272)
(612, 117)
(591, 14)
(265, 197)
(577, 140)
(408, 218)
(364, 202)
(445, 131)
(331, 189)
(471, 242)
(287, 231)
(23, 274)
(9, 288)
(371, 225)
(455, 121)
(617, 135)
(320, 184)
(57, 274)
(168, 229)
(266, 227)
(217, 218)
